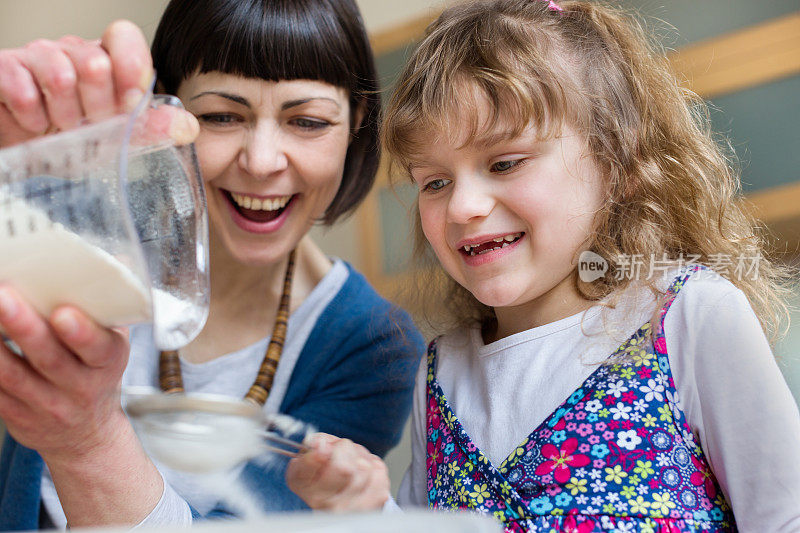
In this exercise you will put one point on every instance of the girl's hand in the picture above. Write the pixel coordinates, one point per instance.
(338, 475)
(46, 86)
(62, 397)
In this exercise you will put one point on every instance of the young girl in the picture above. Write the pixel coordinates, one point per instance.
(642, 396)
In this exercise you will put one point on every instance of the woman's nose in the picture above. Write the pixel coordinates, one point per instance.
(263, 152)
(470, 199)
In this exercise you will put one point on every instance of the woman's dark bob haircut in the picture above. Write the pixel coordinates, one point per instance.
(277, 40)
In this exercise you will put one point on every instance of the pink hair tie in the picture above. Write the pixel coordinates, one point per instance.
(552, 6)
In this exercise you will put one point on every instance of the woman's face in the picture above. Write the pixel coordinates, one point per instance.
(272, 156)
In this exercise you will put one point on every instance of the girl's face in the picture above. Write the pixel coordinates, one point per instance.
(507, 218)
(272, 156)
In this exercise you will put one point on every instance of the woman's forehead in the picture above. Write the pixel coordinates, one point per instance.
(235, 84)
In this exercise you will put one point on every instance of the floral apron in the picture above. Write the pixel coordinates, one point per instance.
(617, 455)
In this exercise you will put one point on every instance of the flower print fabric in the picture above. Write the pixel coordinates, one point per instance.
(617, 455)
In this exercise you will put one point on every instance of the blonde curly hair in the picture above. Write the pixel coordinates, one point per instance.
(672, 189)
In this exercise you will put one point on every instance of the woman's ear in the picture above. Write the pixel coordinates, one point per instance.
(358, 118)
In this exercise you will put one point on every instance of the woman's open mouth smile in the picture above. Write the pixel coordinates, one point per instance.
(258, 214)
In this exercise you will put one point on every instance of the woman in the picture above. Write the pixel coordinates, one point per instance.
(286, 97)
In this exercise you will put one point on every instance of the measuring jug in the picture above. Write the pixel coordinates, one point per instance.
(109, 217)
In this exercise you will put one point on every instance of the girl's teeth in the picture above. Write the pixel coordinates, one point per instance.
(506, 240)
(492, 249)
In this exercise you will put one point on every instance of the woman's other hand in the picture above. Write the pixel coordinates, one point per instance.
(338, 475)
(62, 397)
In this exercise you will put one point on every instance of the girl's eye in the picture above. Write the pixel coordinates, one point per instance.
(310, 123)
(435, 185)
(504, 166)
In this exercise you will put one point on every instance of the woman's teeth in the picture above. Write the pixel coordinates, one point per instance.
(260, 204)
(494, 244)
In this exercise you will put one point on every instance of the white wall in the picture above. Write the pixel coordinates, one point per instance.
(24, 20)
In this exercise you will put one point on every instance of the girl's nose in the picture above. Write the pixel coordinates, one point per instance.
(263, 152)
(469, 200)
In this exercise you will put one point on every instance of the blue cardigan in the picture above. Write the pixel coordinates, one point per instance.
(353, 378)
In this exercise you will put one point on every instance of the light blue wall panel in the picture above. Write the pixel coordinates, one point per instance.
(679, 22)
(763, 125)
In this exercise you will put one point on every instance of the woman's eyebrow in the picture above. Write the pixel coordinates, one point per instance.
(233, 97)
(286, 105)
(300, 101)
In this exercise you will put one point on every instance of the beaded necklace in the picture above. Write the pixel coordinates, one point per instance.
(169, 365)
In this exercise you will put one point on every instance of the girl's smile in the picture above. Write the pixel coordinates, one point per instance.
(481, 250)
(507, 219)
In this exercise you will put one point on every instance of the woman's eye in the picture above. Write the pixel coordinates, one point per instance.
(504, 166)
(310, 123)
(435, 185)
(218, 119)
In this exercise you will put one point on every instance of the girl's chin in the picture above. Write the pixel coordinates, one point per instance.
(495, 297)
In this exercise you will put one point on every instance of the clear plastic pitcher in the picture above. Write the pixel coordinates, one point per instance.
(110, 217)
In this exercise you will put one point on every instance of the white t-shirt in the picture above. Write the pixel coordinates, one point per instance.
(731, 390)
(229, 375)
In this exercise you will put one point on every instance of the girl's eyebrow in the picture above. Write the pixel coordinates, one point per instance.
(233, 97)
(414, 165)
(488, 140)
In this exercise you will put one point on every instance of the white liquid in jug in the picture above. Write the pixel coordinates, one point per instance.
(51, 266)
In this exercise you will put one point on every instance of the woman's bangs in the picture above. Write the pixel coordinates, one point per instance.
(290, 40)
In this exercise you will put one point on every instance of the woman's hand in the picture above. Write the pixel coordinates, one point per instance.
(338, 475)
(47, 86)
(62, 397)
